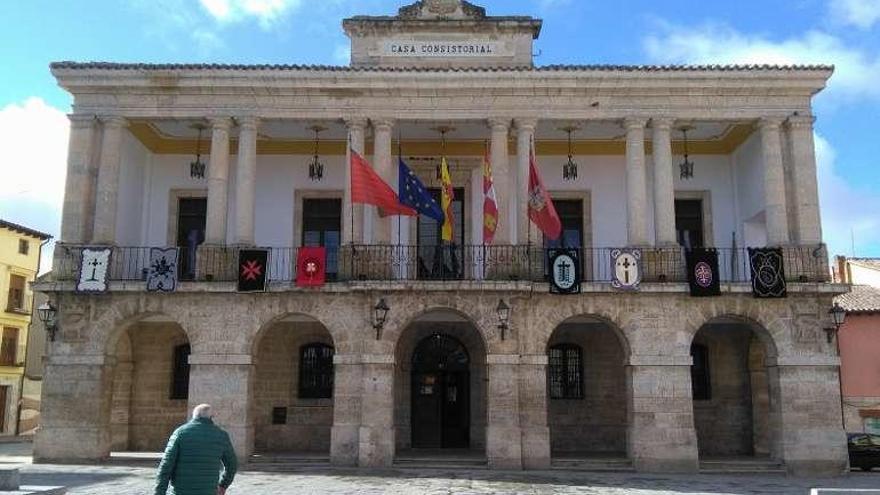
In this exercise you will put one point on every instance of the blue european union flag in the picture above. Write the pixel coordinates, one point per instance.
(413, 193)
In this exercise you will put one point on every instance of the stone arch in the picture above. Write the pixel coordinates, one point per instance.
(759, 329)
(546, 319)
(426, 314)
(272, 321)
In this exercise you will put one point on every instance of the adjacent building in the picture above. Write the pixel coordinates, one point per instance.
(19, 263)
(409, 347)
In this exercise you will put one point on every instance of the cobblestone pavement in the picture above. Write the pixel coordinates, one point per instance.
(128, 480)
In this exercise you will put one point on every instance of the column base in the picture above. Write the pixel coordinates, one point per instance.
(816, 452)
(536, 447)
(75, 444)
(376, 447)
(504, 447)
(344, 440)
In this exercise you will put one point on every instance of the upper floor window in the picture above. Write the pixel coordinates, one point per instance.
(571, 215)
(24, 246)
(180, 373)
(192, 214)
(322, 226)
(566, 372)
(701, 380)
(316, 371)
(8, 346)
(436, 260)
(689, 222)
(15, 301)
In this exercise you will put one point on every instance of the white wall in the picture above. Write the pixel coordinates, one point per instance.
(864, 276)
(748, 164)
(131, 194)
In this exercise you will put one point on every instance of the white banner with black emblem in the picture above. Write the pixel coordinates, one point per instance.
(626, 269)
(93, 270)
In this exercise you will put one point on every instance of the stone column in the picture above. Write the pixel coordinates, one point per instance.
(774, 182)
(636, 183)
(533, 411)
(245, 181)
(664, 189)
(352, 217)
(107, 191)
(505, 182)
(808, 227)
(384, 167)
(347, 385)
(226, 382)
(75, 418)
(76, 221)
(218, 183)
(525, 136)
(376, 436)
(503, 432)
(661, 436)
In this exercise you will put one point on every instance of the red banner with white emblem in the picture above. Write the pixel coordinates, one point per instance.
(311, 267)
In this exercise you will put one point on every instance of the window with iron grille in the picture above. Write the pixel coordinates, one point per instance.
(180, 373)
(566, 372)
(24, 246)
(316, 372)
(701, 380)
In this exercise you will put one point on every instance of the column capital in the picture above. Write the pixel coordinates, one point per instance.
(631, 123)
(81, 120)
(248, 122)
(497, 124)
(662, 123)
(382, 123)
(113, 121)
(220, 123)
(523, 125)
(770, 123)
(359, 123)
(800, 122)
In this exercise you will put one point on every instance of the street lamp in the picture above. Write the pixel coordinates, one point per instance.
(838, 316)
(47, 314)
(503, 311)
(380, 314)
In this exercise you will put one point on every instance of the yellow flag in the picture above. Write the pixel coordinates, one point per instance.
(446, 199)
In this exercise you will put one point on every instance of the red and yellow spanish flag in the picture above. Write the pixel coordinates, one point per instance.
(447, 196)
(490, 202)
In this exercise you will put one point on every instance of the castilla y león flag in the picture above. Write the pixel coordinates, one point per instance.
(311, 267)
(368, 188)
(490, 203)
(541, 209)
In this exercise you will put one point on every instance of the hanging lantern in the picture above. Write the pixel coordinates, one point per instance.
(686, 166)
(442, 130)
(197, 167)
(316, 167)
(570, 169)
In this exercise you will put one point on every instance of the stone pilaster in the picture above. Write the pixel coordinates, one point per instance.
(107, 191)
(347, 385)
(533, 411)
(525, 136)
(76, 221)
(636, 182)
(352, 215)
(75, 418)
(226, 382)
(664, 189)
(218, 183)
(808, 225)
(245, 181)
(661, 436)
(774, 182)
(505, 183)
(384, 167)
(503, 413)
(376, 435)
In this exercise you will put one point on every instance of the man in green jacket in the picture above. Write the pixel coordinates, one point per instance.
(193, 457)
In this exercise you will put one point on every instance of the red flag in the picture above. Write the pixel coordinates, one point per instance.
(368, 188)
(311, 267)
(541, 209)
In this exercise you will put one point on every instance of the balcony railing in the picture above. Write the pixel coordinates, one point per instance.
(443, 263)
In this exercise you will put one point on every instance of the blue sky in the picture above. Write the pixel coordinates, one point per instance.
(842, 32)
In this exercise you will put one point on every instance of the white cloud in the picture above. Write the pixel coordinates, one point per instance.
(33, 137)
(267, 12)
(856, 74)
(841, 219)
(860, 13)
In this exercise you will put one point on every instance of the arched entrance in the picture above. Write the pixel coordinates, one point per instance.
(440, 388)
(587, 390)
(150, 384)
(440, 394)
(732, 393)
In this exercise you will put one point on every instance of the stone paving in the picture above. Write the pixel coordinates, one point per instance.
(131, 480)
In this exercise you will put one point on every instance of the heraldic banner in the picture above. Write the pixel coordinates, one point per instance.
(702, 265)
(252, 265)
(311, 267)
(768, 273)
(93, 270)
(162, 272)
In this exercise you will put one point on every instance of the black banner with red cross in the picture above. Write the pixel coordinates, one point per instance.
(252, 266)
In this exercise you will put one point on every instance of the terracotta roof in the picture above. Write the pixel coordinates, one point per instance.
(23, 230)
(344, 68)
(862, 299)
(872, 263)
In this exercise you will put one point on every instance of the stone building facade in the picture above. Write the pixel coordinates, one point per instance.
(602, 373)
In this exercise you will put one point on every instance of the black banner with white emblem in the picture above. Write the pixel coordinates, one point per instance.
(252, 265)
(702, 265)
(565, 271)
(768, 273)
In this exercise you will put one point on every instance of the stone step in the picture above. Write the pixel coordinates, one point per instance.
(287, 462)
(722, 466)
(440, 463)
(592, 464)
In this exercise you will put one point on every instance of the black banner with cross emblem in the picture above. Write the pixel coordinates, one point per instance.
(252, 266)
(565, 271)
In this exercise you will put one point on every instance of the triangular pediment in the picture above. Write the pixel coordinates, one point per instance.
(442, 9)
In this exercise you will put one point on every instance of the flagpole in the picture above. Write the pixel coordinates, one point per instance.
(529, 222)
(399, 158)
(350, 201)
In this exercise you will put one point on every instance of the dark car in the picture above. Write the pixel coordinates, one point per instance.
(864, 450)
